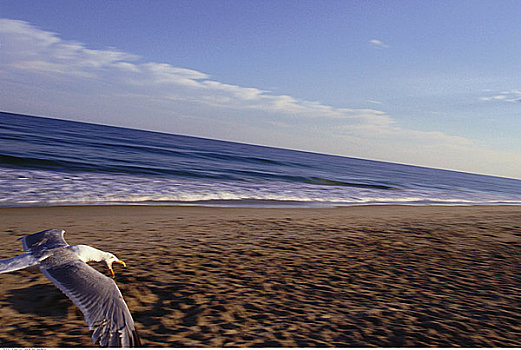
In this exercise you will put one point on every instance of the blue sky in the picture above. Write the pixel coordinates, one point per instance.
(418, 82)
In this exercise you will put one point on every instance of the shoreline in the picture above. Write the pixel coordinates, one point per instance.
(370, 275)
(371, 209)
(265, 204)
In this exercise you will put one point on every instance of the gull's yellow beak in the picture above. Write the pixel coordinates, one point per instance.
(115, 261)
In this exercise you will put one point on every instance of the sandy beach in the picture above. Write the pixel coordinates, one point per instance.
(228, 277)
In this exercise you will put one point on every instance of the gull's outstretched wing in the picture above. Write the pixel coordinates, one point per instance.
(47, 239)
(18, 262)
(37, 243)
(100, 301)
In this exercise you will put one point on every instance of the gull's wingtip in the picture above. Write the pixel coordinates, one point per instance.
(136, 339)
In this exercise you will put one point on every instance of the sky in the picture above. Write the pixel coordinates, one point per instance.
(429, 83)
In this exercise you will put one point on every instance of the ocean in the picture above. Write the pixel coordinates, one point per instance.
(50, 162)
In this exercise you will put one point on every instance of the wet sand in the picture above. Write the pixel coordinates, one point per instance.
(225, 277)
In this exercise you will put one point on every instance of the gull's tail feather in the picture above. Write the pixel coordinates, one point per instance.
(18, 262)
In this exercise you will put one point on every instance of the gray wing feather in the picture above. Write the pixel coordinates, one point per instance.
(100, 301)
(18, 262)
(47, 239)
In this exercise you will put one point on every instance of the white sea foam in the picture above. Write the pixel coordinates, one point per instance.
(39, 187)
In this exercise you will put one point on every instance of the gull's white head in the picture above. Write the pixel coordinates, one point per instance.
(87, 253)
(111, 259)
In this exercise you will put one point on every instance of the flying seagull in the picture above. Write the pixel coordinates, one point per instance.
(95, 294)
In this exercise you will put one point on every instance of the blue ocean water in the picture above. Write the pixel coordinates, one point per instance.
(47, 162)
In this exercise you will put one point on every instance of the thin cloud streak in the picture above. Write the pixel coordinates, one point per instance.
(504, 96)
(378, 44)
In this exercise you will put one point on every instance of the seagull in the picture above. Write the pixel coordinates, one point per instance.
(96, 295)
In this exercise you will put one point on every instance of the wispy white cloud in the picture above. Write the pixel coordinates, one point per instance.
(378, 44)
(34, 51)
(504, 96)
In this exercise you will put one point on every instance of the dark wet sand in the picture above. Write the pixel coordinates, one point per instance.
(222, 277)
